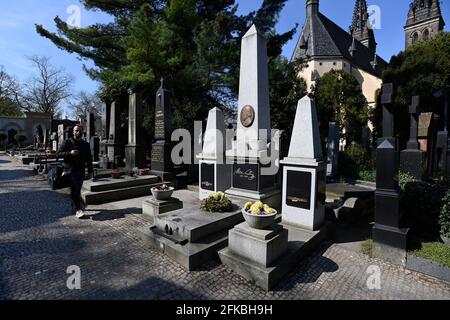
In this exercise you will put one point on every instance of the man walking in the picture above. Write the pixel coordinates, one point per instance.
(77, 155)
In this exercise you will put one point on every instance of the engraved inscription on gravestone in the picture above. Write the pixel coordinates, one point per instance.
(157, 153)
(245, 176)
(207, 178)
(159, 125)
(299, 189)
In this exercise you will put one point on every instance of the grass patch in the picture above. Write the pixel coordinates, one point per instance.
(367, 247)
(434, 251)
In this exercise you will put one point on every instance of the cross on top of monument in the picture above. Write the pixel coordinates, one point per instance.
(413, 108)
(388, 90)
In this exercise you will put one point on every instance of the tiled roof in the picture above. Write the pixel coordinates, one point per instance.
(322, 38)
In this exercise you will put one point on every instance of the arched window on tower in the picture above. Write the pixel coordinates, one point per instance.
(415, 37)
(426, 35)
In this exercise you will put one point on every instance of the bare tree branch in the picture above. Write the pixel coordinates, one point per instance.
(45, 91)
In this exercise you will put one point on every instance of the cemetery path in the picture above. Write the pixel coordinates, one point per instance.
(40, 239)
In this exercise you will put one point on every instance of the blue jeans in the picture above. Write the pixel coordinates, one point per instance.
(76, 183)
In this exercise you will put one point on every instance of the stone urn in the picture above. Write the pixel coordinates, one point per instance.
(162, 194)
(259, 221)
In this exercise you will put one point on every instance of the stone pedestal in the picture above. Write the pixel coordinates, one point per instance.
(152, 207)
(265, 256)
(304, 194)
(262, 247)
(389, 243)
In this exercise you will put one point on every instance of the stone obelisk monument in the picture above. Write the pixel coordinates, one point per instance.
(249, 153)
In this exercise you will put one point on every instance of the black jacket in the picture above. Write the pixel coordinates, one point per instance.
(79, 162)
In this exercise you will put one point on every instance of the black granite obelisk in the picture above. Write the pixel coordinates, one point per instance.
(92, 138)
(412, 159)
(161, 163)
(106, 115)
(389, 236)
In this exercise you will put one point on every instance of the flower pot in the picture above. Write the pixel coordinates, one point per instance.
(260, 221)
(162, 194)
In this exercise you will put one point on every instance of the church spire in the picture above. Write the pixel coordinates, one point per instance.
(361, 29)
(425, 21)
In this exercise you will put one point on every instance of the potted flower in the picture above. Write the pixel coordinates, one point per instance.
(258, 215)
(162, 192)
(216, 202)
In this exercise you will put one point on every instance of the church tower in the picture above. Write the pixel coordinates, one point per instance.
(424, 21)
(361, 29)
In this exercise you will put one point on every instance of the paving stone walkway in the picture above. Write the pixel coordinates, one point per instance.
(39, 240)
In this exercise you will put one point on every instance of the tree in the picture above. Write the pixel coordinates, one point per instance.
(339, 98)
(83, 104)
(194, 44)
(418, 71)
(46, 91)
(9, 92)
(285, 91)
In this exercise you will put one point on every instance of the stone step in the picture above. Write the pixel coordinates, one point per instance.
(109, 184)
(94, 198)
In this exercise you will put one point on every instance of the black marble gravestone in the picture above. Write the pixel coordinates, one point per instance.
(412, 160)
(207, 177)
(389, 235)
(161, 162)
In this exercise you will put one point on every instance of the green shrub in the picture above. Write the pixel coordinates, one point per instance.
(367, 175)
(347, 166)
(444, 217)
(360, 156)
(356, 163)
(404, 178)
(367, 247)
(422, 204)
(434, 251)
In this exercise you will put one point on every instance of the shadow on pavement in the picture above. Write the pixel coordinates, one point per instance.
(27, 209)
(309, 270)
(6, 175)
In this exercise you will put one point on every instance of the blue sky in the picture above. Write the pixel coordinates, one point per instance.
(18, 38)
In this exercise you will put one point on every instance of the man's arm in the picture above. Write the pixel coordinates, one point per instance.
(64, 151)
